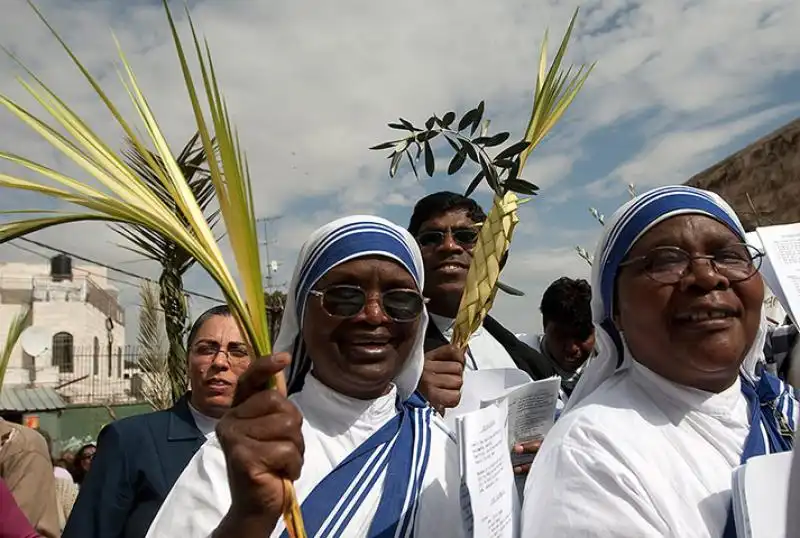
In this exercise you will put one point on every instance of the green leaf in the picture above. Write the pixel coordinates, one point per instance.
(513, 171)
(448, 118)
(497, 139)
(468, 119)
(513, 150)
(430, 166)
(474, 183)
(426, 135)
(453, 143)
(385, 145)
(457, 162)
(491, 174)
(411, 162)
(521, 186)
(408, 125)
(478, 117)
(503, 163)
(472, 153)
(395, 163)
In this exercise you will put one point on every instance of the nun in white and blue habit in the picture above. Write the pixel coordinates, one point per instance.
(381, 468)
(638, 455)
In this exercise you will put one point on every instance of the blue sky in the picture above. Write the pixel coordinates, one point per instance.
(678, 86)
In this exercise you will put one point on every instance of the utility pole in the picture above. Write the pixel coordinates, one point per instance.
(266, 221)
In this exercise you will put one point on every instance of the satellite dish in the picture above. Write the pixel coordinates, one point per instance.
(35, 340)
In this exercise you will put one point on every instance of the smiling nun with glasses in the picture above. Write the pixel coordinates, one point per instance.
(676, 398)
(369, 459)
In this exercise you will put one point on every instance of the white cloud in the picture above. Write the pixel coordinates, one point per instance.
(532, 271)
(312, 87)
(676, 155)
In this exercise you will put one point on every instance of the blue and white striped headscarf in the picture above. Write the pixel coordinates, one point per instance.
(400, 450)
(771, 403)
(621, 232)
(331, 245)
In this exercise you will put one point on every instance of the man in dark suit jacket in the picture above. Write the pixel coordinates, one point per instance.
(445, 226)
(524, 356)
(139, 458)
(138, 461)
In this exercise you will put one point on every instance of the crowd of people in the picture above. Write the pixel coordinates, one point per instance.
(37, 489)
(668, 382)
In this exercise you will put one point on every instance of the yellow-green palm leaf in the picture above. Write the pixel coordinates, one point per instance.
(18, 324)
(123, 197)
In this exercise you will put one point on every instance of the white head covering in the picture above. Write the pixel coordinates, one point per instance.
(331, 245)
(626, 226)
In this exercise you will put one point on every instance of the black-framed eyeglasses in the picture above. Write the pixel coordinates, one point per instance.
(668, 265)
(210, 350)
(465, 237)
(346, 301)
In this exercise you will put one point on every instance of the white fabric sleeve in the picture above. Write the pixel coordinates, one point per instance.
(586, 492)
(199, 499)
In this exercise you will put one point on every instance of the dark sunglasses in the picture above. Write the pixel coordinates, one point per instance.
(345, 301)
(466, 237)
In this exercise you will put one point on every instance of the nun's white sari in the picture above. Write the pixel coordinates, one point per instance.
(343, 488)
(635, 455)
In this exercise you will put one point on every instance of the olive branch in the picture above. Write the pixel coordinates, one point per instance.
(501, 172)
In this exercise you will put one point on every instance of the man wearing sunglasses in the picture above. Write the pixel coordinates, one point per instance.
(446, 225)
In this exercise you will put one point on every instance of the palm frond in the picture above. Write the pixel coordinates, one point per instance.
(152, 339)
(18, 324)
(127, 198)
(190, 160)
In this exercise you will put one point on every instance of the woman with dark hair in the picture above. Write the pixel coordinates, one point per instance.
(368, 457)
(83, 462)
(139, 458)
(677, 396)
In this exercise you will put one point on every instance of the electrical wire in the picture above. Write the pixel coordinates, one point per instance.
(101, 264)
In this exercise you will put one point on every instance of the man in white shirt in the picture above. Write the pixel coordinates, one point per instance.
(568, 339)
(445, 225)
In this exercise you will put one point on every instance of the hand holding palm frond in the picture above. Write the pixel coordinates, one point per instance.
(126, 198)
(555, 91)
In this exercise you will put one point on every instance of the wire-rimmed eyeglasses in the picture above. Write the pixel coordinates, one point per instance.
(668, 265)
(210, 350)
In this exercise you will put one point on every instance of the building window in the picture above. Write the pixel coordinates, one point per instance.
(96, 357)
(119, 362)
(63, 352)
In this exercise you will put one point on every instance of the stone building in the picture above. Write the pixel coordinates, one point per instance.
(78, 310)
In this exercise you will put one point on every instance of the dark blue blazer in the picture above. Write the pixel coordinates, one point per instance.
(138, 461)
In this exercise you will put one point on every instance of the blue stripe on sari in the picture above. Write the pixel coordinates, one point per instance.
(767, 400)
(400, 451)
